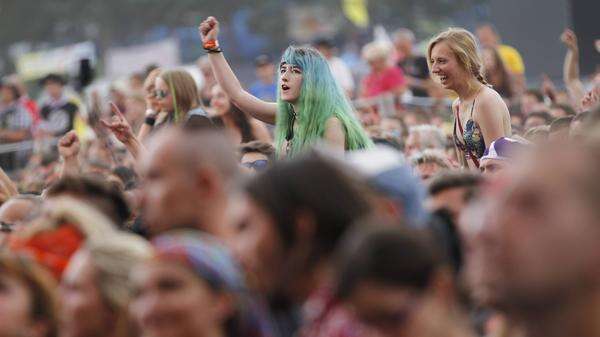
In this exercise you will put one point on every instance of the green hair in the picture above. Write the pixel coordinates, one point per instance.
(321, 98)
(177, 116)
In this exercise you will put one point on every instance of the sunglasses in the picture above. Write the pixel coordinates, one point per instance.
(257, 165)
(160, 94)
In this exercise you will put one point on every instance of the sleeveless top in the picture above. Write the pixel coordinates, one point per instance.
(472, 145)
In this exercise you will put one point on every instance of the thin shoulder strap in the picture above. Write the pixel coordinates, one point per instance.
(458, 121)
(473, 106)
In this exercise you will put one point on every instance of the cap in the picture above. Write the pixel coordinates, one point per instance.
(386, 171)
(504, 148)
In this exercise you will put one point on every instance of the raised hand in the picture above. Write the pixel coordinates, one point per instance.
(569, 38)
(591, 98)
(547, 86)
(209, 29)
(119, 125)
(68, 145)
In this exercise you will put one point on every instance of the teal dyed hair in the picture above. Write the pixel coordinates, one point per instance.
(321, 98)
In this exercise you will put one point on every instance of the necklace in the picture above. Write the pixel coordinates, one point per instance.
(290, 134)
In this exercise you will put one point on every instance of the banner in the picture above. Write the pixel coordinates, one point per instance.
(63, 60)
(357, 12)
(124, 61)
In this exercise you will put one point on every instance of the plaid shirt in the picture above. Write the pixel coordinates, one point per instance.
(15, 117)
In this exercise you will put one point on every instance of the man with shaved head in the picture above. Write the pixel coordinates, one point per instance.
(188, 179)
(540, 241)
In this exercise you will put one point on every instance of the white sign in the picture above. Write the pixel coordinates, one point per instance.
(124, 61)
(63, 60)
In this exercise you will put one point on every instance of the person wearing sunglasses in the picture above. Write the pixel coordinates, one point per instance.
(177, 95)
(256, 155)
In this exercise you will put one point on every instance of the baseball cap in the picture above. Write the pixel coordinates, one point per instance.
(504, 148)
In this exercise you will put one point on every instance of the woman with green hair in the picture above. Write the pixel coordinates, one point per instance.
(311, 106)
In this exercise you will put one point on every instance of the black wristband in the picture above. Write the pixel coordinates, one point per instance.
(214, 51)
(150, 121)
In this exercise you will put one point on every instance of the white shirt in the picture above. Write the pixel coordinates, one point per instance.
(341, 73)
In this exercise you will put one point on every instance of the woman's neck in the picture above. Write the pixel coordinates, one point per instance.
(468, 90)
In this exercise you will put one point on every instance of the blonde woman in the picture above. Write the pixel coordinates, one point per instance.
(177, 99)
(384, 76)
(95, 289)
(480, 114)
(177, 95)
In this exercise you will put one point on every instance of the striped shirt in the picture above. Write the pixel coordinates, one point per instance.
(15, 117)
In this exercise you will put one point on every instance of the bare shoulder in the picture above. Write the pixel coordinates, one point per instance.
(333, 123)
(490, 101)
(490, 96)
(334, 132)
(455, 103)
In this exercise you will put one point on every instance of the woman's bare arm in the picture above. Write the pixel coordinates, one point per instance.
(259, 109)
(260, 131)
(334, 135)
(574, 85)
(490, 116)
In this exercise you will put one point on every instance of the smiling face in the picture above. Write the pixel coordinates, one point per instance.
(445, 66)
(290, 81)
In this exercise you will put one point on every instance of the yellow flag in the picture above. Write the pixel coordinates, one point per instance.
(357, 12)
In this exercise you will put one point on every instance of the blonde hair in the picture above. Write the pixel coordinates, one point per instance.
(92, 223)
(376, 50)
(113, 258)
(183, 91)
(464, 46)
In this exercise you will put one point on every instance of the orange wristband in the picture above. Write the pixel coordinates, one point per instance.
(211, 44)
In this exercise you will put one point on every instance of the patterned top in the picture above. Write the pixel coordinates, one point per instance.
(472, 145)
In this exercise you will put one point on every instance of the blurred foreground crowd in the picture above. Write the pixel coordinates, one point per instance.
(165, 209)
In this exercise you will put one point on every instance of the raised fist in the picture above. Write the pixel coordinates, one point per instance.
(569, 38)
(68, 145)
(209, 29)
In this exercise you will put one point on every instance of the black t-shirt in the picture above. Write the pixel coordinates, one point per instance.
(58, 119)
(416, 66)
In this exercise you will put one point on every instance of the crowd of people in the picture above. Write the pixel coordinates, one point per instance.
(301, 205)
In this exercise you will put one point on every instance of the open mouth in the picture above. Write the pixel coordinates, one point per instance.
(285, 87)
(443, 78)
